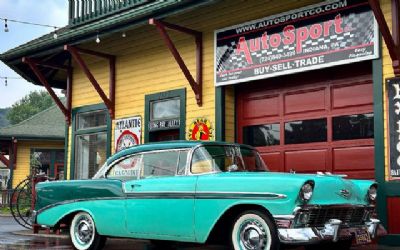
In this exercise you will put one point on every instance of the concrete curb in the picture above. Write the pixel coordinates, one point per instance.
(5, 215)
(44, 235)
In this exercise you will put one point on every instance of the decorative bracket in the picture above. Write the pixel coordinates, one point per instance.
(392, 40)
(108, 101)
(4, 160)
(195, 84)
(33, 64)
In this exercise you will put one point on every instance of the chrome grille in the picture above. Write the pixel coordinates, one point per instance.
(348, 215)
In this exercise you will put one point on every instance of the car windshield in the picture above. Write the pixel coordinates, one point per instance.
(226, 158)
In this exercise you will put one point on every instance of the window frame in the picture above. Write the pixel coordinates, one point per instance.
(172, 94)
(76, 132)
(53, 161)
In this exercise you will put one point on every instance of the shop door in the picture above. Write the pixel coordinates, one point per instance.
(305, 125)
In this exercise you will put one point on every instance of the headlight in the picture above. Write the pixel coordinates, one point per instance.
(372, 193)
(306, 191)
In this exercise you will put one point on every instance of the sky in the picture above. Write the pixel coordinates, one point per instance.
(51, 12)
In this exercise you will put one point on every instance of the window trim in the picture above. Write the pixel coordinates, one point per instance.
(75, 132)
(177, 93)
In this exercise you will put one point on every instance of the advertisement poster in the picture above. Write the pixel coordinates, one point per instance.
(314, 37)
(393, 90)
(128, 132)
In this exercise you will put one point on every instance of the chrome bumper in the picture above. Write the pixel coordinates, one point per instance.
(332, 231)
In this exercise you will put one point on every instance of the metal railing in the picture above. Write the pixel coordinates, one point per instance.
(81, 11)
(5, 197)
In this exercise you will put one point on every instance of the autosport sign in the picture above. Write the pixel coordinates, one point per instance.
(317, 36)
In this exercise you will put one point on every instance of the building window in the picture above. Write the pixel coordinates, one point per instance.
(165, 116)
(262, 135)
(306, 131)
(49, 162)
(165, 109)
(351, 127)
(91, 141)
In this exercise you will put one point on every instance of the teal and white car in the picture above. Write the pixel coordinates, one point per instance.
(208, 192)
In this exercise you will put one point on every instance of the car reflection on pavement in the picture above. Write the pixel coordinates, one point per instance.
(10, 241)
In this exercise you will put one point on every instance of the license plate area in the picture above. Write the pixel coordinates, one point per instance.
(362, 237)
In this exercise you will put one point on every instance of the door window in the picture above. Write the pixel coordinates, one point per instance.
(262, 135)
(351, 127)
(91, 143)
(127, 169)
(160, 164)
(306, 131)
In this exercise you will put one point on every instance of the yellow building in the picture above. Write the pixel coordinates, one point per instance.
(37, 141)
(303, 81)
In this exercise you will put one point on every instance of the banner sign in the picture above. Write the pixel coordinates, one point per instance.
(314, 37)
(128, 132)
(394, 126)
(164, 124)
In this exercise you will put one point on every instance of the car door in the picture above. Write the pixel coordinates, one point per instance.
(160, 204)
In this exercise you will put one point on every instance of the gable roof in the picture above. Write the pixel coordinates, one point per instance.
(48, 124)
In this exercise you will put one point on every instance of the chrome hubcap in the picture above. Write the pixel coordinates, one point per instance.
(84, 231)
(252, 236)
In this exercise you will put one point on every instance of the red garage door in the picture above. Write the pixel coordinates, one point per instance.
(317, 121)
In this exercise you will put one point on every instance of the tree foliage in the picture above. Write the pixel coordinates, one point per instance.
(3, 117)
(29, 105)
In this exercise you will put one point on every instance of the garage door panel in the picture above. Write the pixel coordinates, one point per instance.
(352, 95)
(265, 106)
(306, 160)
(359, 158)
(305, 101)
(273, 161)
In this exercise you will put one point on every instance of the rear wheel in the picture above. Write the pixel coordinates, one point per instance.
(253, 230)
(83, 233)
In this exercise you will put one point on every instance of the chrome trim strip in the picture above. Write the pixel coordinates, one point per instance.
(178, 195)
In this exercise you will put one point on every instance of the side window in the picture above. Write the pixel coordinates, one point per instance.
(160, 164)
(182, 162)
(127, 169)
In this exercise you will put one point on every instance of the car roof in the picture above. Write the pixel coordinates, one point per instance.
(164, 146)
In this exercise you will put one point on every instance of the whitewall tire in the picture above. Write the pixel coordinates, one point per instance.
(253, 230)
(83, 233)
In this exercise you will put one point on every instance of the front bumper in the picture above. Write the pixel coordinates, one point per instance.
(333, 231)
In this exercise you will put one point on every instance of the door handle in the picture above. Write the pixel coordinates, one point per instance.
(133, 186)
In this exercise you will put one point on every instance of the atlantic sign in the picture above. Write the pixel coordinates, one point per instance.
(314, 37)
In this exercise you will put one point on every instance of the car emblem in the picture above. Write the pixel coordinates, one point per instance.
(345, 193)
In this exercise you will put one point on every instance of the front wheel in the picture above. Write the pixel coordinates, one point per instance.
(253, 230)
(83, 233)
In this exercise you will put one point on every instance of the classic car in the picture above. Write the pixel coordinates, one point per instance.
(192, 191)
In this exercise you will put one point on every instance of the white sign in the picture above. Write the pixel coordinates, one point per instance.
(128, 132)
(4, 178)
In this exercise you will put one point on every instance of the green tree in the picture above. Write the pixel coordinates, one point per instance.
(29, 105)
